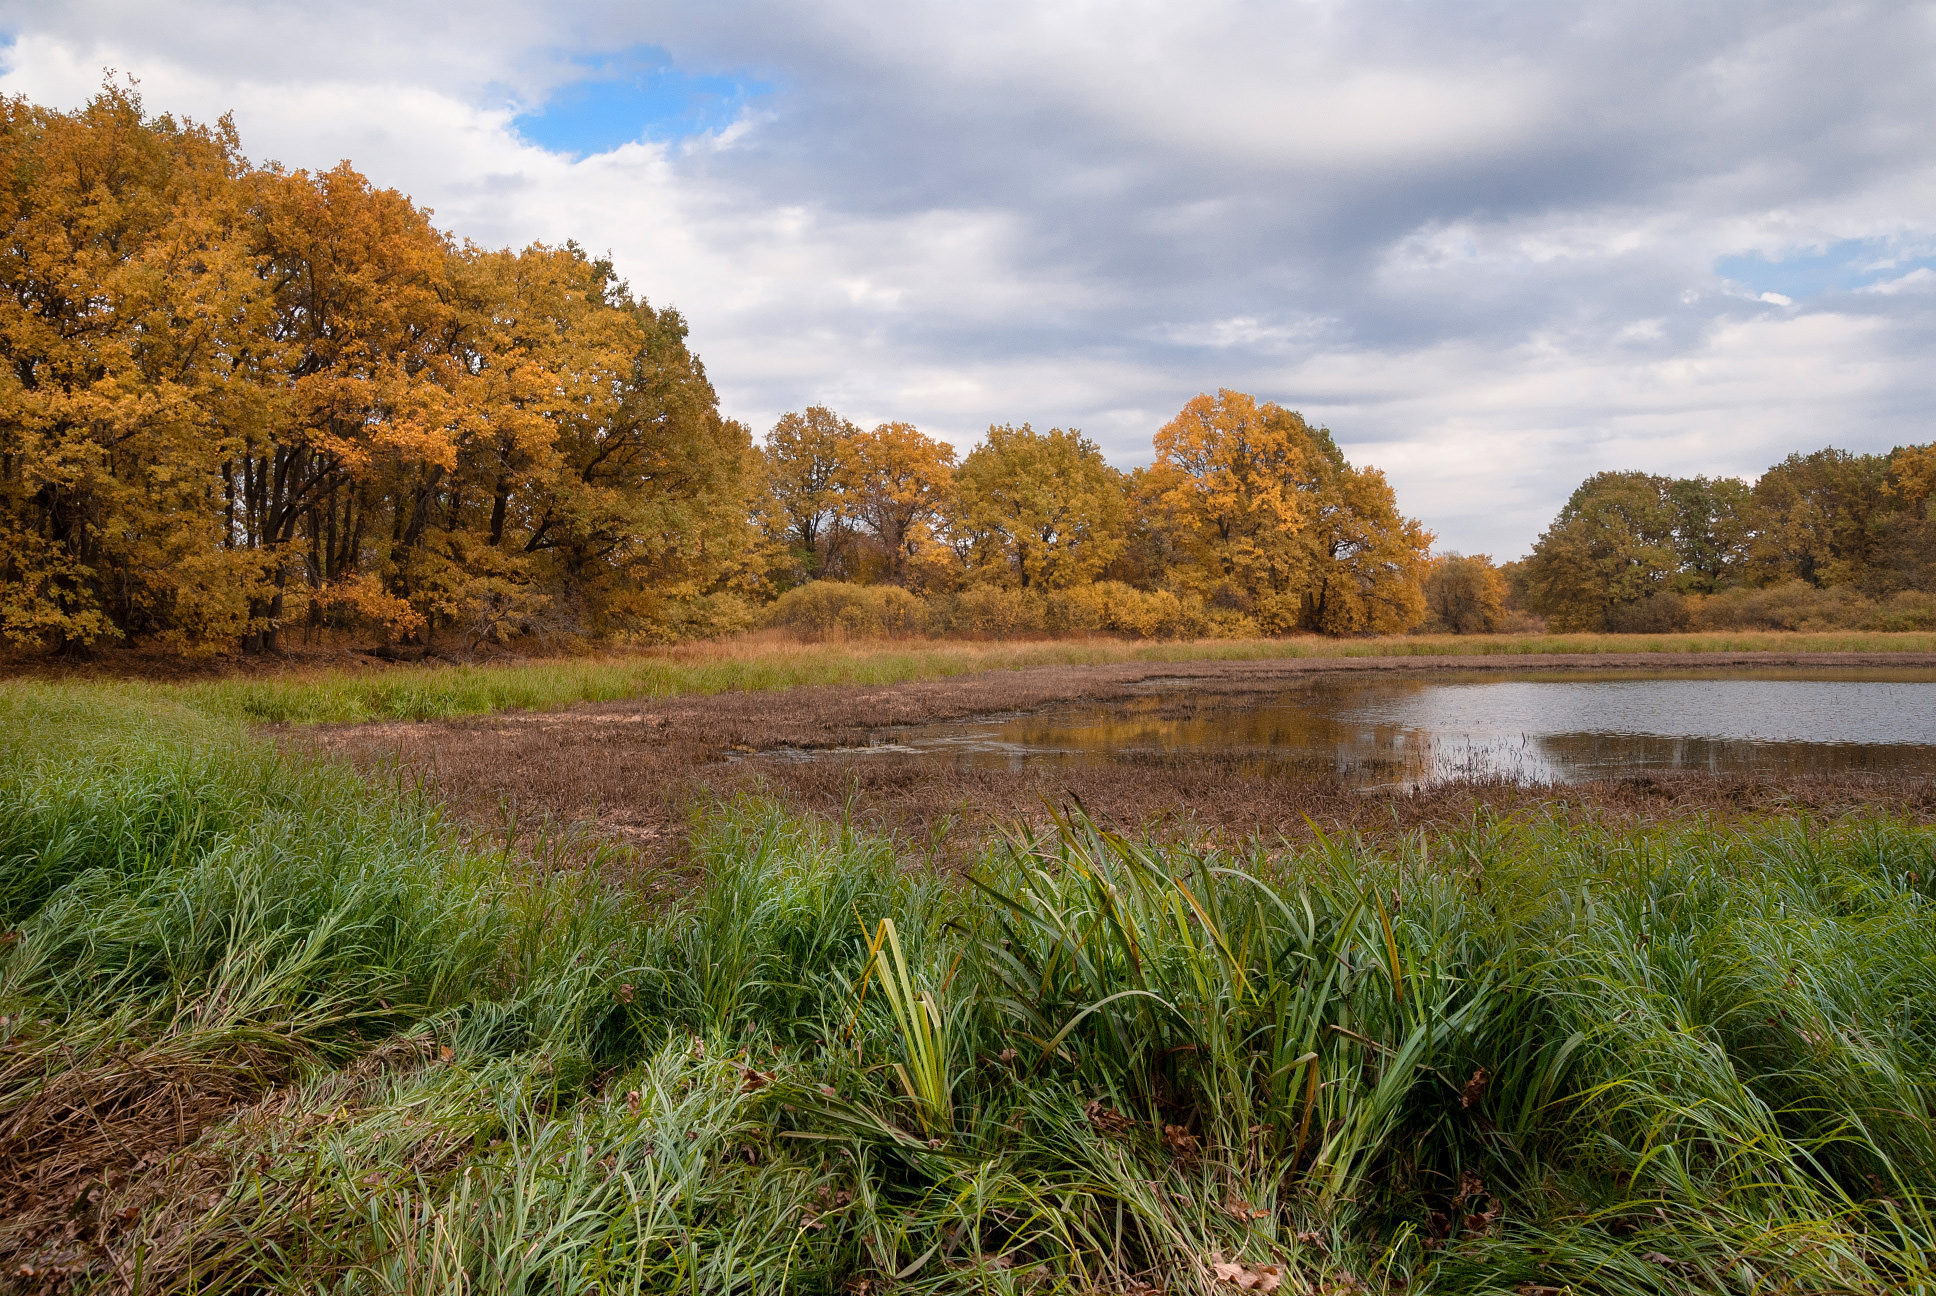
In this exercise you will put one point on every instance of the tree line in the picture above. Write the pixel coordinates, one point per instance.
(241, 403)
(1825, 539)
(1250, 519)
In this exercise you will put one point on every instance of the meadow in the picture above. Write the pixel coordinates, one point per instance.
(269, 1025)
(382, 691)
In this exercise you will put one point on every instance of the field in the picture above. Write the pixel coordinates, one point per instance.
(267, 1023)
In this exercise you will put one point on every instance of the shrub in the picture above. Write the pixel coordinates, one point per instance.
(835, 610)
(1791, 605)
(1662, 613)
(989, 613)
(1909, 610)
(1116, 608)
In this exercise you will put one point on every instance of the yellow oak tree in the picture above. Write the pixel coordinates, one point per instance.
(895, 481)
(1226, 472)
(1046, 511)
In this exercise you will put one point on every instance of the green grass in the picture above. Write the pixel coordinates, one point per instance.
(266, 1026)
(439, 691)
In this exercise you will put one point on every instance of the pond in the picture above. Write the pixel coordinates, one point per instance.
(1385, 730)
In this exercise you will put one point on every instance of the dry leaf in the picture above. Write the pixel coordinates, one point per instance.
(633, 1100)
(1475, 1088)
(1181, 1142)
(1263, 1278)
(447, 1053)
(625, 993)
(1106, 1120)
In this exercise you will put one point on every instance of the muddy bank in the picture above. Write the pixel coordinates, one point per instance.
(634, 769)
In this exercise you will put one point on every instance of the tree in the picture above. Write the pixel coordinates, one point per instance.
(895, 482)
(1816, 515)
(803, 457)
(121, 271)
(1466, 595)
(1713, 530)
(1226, 472)
(1365, 558)
(1047, 511)
(1612, 544)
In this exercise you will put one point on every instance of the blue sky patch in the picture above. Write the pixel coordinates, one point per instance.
(1810, 272)
(636, 95)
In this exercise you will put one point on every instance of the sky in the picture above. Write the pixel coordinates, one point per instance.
(1494, 247)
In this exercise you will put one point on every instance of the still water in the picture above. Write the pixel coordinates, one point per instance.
(1398, 731)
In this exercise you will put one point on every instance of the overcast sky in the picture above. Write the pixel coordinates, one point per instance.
(1495, 247)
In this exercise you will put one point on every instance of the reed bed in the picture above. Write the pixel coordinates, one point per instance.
(439, 691)
(268, 1026)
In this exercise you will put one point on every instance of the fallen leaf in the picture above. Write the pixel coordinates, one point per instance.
(633, 1100)
(1264, 1278)
(1475, 1088)
(447, 1053)
(625, 993)
(1106, 1120)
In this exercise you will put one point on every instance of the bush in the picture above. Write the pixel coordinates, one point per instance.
(835, 610)
(1663, 613)
(1909, 610)
(1791, 605)
(986, 612)
(1115, 608)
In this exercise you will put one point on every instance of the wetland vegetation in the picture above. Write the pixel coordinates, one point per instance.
(270, 1025)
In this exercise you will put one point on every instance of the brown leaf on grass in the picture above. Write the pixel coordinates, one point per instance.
(447, 1054)
(1475, 1088)
(1470, 1186)
(1538, 1289)
(751, 1080)
(625, 993)
(1006, 1055)
(1262, 1278)
(634, 1100)
(1181, 1143)
(1105, 1120)
(1243, 1211)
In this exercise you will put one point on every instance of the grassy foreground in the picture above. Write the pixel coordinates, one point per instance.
(440, 691)
(267, 1027)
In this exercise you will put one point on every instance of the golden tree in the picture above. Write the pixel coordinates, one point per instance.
(895, 481)
(1227, 473)
(803, 457)
(1466, 594)
(1046, 510)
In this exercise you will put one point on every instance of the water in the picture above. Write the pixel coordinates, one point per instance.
(1408, 731)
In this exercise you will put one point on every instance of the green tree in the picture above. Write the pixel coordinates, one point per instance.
(1611, 545)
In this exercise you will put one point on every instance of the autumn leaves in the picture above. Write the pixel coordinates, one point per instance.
(240, 401)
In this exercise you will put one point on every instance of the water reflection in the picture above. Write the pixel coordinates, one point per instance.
(1378, 731)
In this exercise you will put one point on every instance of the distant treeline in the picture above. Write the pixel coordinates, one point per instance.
(241, 402)
(1823, 540)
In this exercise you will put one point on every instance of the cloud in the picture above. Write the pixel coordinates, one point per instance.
(1494, 248)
